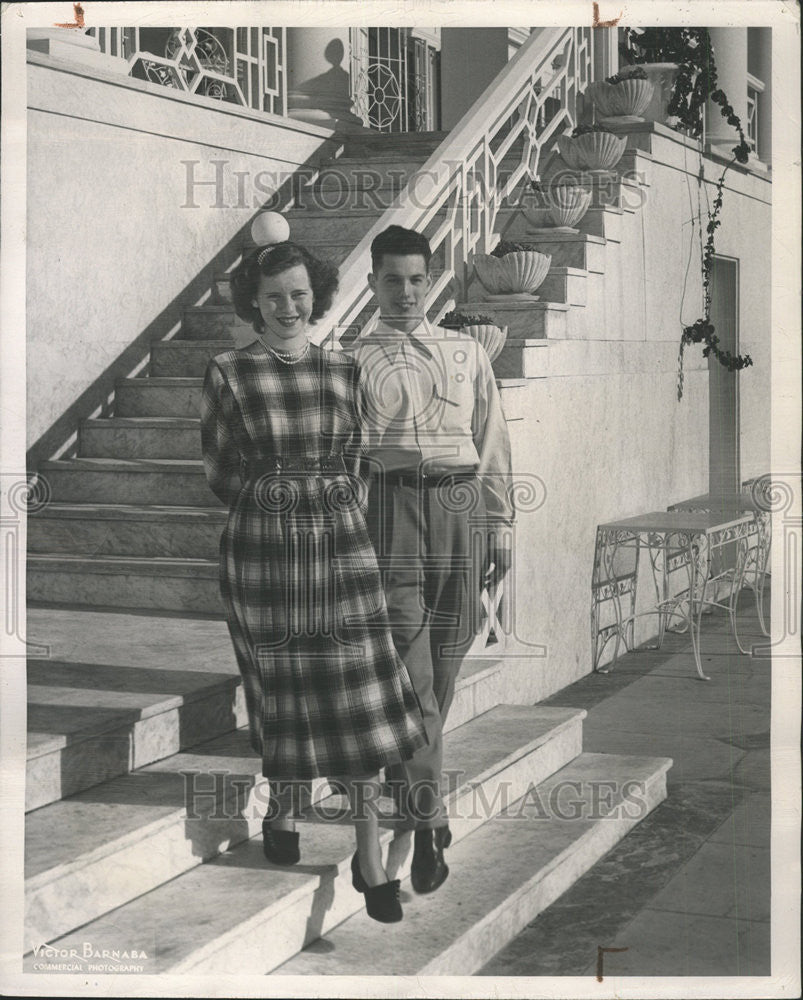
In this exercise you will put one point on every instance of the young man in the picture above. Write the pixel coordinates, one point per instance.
(438, 446)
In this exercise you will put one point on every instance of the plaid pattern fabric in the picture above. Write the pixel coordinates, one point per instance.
(327, 695)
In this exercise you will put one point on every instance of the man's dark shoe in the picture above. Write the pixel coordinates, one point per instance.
(429, 870)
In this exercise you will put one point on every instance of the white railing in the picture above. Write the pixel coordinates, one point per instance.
(495, 147)
(244, 66)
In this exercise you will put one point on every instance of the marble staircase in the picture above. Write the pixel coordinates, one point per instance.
(135, 699)
(152, 856)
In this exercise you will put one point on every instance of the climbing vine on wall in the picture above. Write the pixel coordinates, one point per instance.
(696, 82)
(702, 330)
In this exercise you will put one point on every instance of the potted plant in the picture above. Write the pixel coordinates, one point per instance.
(565, 204)
(481, 328)
(661, 53)
(511, 270)
(681, 62)
(624, 96)
(591, 147)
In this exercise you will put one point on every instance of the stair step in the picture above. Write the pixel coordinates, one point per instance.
(605, 222)
(130, 834)
(158, 397)
(97, 668)
(575, 250)
(386, 143)
(533, 319)
(138, 824)
(112, 705)
(321, 225)
(182, 358)
(356, 186)
(187, 585)
(334, 224)
(636, 163)
(361, 164)
(170, 482)
(140, 437)
(522, 358)
(89, 726)
(502, 876)
(220, 323)
(127, 530)
(564, 284)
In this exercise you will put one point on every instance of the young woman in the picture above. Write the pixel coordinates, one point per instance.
(327, 694)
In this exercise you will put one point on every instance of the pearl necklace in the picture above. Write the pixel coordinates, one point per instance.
(287, 357)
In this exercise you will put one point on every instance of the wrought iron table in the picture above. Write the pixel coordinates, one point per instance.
(757, 556)
(674, 540)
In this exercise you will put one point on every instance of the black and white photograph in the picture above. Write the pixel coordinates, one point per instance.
(400, 499)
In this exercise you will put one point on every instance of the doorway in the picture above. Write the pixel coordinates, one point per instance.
(723, 385)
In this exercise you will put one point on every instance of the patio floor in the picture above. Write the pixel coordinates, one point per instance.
(687, 892)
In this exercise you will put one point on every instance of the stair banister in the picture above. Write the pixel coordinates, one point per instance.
(464, 172)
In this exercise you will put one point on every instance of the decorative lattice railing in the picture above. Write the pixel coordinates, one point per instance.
(495, 147)
(244, 66)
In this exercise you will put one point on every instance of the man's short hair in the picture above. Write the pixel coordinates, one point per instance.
(398, 240)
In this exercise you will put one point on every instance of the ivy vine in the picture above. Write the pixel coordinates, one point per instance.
(696, 82)
(702, 330)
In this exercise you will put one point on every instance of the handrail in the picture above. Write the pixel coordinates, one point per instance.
(517, 116)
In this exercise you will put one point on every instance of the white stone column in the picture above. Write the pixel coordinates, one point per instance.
(730, 58)
(606, 53)
(764, 73)
(318, 78)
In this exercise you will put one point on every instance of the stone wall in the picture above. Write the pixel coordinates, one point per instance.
(603, 428)
(118, 228)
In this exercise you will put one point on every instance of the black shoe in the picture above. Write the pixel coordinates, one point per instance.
(429, 870)
(381, 901)
(280, 846)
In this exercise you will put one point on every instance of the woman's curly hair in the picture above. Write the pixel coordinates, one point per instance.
(323, 279)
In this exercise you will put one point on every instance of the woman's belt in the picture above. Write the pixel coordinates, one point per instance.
(271, 465)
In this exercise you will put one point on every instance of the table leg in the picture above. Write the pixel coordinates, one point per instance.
(607, 548)
(737, 582)
(595, 602)
(699, 560)
(656, 549)
(657, 553)
(629, 635)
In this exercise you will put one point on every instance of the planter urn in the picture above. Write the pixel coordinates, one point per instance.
(592, 150)
(662, 76)
(490, 336)
(621, 103)
(517, 274)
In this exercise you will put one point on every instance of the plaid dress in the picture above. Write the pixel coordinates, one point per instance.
(326, 692)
